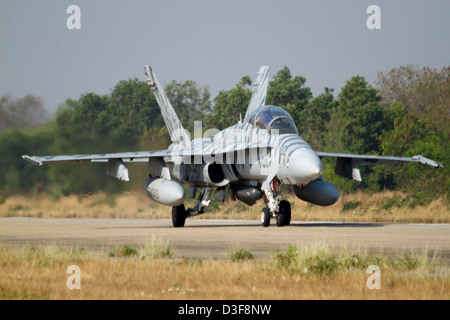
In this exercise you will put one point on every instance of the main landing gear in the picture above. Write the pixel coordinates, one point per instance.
(179, 213)
(276, 208)
(279, 209)
(179, 216)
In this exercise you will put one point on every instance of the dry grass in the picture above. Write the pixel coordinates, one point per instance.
(359, 207)
(41, 273)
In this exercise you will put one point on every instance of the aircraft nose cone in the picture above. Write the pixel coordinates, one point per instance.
(315, 169)
(305, 165)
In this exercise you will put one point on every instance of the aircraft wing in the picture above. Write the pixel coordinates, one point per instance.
(258, 98)
(196, 148)
(196, 151)
(368, 160)
(87, 158)
(115, 166)
(345, 162)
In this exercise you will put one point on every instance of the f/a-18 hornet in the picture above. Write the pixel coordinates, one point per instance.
(247, 161)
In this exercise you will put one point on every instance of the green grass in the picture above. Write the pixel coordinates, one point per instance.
(240, 254)
(123, 252)
(322, 260)
(156, 249)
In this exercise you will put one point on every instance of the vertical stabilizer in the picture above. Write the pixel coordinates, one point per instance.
(177, 133)
(258, 98)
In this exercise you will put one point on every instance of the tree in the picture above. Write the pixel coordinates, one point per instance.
(22, 112)
(132, 110)
(407, 116)
(77, 132)
(415, 88)
(190, 102)
(97, 124)
(315, 117)
(355, 126)
(228, 105)
(418, 104)
(357, 123)
(76, 125)
(16, 175)
(290, 94)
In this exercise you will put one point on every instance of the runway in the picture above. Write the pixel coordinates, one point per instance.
(213, 238)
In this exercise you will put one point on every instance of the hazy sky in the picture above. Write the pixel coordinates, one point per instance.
(214, 43)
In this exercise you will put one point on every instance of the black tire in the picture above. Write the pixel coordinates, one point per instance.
(178, 216)
(265, 217)
(284, 215)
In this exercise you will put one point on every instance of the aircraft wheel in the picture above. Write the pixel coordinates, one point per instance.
(265, 217)
(284, 215)
(178, 216)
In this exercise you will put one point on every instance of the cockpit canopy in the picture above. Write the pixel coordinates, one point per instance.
(271, 117)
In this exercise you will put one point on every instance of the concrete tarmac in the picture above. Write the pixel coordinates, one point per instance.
(214, 238)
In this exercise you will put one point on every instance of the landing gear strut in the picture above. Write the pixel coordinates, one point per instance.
(279, 209)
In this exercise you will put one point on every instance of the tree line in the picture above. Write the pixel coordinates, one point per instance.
(406, 113)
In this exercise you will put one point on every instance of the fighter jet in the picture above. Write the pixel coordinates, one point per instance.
(248, 161)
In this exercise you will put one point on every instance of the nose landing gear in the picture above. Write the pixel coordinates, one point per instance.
(283, 216)
(279, 209)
